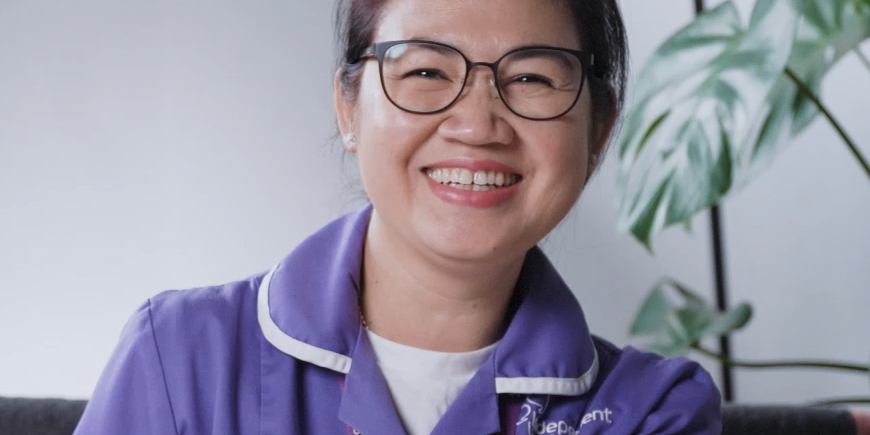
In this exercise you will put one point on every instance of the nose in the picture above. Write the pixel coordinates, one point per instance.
(478, 117)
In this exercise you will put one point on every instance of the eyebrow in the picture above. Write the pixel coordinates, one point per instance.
(563, 57)
(508, 50)
(449, 49)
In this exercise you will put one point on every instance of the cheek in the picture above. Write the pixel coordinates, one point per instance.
(561, 157)
(567, 150)
(572, 166)
(383, 128)
(373, 106)
(388, 138)
(577, 140)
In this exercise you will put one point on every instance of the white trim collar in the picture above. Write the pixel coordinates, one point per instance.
(306, 308)
(289, 345)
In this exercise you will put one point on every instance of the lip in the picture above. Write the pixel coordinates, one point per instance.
(469, 198)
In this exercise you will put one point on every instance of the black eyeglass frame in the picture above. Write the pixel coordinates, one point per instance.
(379, 50)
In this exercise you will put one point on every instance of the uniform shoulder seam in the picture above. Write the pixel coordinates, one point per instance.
(162, 371)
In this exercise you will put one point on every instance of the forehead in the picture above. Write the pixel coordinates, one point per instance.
(480, 28)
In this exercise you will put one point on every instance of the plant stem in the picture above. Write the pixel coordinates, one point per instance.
(809, 93)
(782, 364)
(841, 401)
(862, 58)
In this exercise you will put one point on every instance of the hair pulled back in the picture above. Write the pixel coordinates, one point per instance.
(598, 22)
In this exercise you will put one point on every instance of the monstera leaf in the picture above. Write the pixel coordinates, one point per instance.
(675, 327)
(827, 31)
(713, 105)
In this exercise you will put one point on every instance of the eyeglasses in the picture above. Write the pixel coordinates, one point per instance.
(425, 77)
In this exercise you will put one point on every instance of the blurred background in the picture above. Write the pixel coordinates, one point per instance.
(158, 145)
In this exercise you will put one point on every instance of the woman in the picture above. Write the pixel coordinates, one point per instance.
(475, 125)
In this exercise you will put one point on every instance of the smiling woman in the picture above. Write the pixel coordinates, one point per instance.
(476, 126)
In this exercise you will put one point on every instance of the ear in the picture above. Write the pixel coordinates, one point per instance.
(344, 113)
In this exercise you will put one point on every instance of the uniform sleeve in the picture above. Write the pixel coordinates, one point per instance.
(691, 406)
(131, 396)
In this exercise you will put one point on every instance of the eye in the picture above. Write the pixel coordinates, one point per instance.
(425, 73)
(532, 79)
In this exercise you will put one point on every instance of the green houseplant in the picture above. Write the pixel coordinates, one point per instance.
(714, 105)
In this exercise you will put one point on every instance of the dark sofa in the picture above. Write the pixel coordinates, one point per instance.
(39, 416)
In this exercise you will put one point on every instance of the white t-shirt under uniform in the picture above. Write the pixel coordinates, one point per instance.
(423, 382)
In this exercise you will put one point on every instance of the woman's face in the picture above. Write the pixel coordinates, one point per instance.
(397, 150)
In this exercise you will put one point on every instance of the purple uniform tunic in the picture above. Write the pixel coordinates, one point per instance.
(284, 353)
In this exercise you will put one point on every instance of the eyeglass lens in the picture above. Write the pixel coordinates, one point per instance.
(534, 83)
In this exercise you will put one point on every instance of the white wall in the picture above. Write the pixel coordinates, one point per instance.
(799, 248)
(171, 144)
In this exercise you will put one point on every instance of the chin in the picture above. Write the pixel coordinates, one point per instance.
(473, 247)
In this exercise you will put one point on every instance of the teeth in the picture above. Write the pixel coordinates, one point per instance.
(480, 178)
(499, 179)
(479, 188)
(465, 179)
(466, 176)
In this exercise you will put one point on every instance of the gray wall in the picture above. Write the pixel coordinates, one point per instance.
(172, 144)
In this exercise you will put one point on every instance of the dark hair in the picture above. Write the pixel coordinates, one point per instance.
(599, 23)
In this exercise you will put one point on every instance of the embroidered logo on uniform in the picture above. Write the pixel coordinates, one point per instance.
(531, 412)
(599, 415)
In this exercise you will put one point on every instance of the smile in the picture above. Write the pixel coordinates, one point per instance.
(465, 179)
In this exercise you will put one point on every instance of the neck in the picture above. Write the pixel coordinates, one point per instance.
(443, 305)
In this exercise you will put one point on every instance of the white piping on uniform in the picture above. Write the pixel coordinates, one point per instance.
(556, 386)
(341, 363)
(289, 345)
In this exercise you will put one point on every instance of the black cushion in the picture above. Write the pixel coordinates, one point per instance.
(39, 416)
(791, 420)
